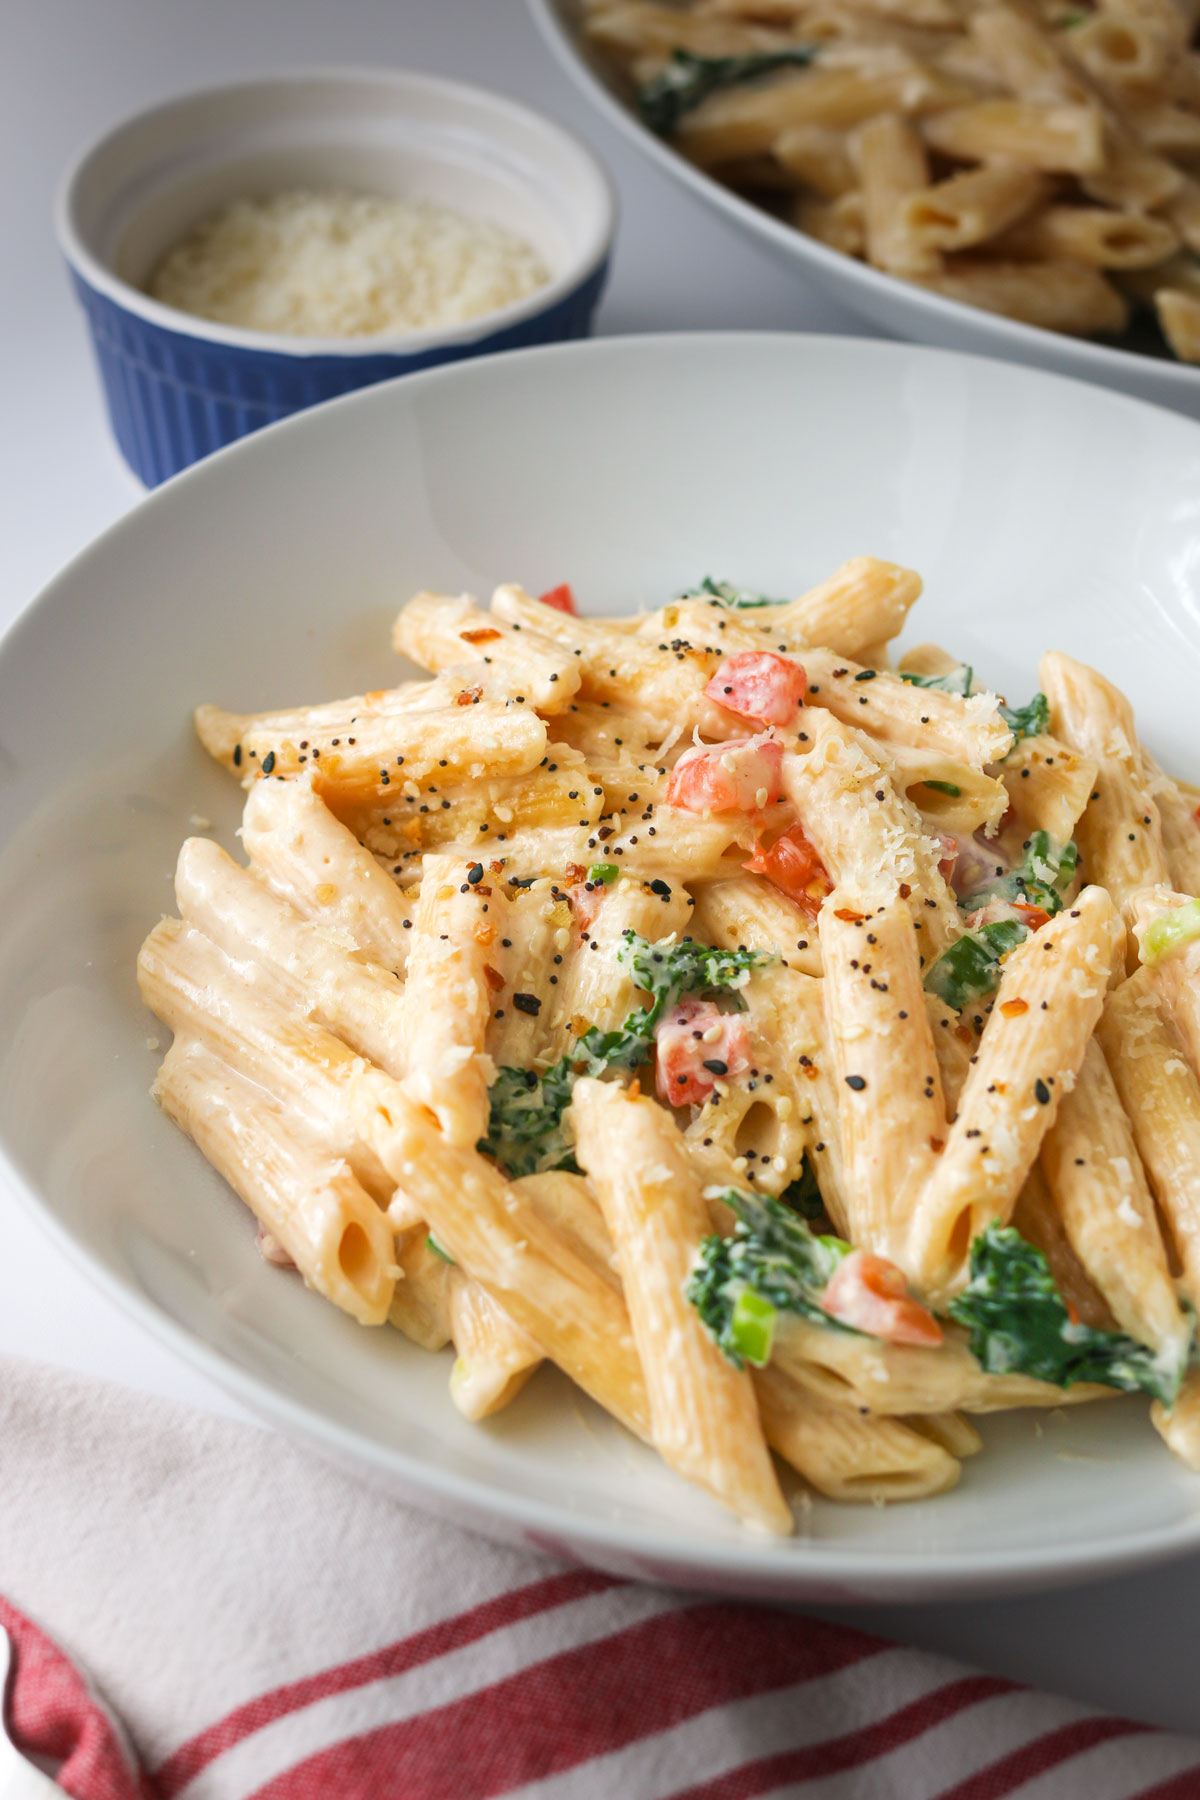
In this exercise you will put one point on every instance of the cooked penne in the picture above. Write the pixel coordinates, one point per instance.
(1063, 143)
(1161, 1096)
(309, 1202)
(1057, 295)
(969, 208)
(868, 838)
(1119, 834)
(1091, 1162)
(704, 1419)
(1179, 817)
(846, 1456)
(576, 1048)
(304, 968)
(308, 858)
(1028, 1058)
(893, 1116)
(892, 166)
(447, 996)
(493, 1357)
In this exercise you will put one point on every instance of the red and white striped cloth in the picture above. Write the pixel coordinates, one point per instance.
(263, 1625)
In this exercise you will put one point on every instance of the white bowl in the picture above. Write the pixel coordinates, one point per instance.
(1041, 512)
(893, 305)
(179, 386)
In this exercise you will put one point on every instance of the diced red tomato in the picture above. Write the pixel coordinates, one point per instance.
(695, 1047)
(586, 899)
(794, 867)
(561, 598)
(757, 684)
(1033, 916)
(871, 1294)
(740, 776)
(991, 914)
(948, 846)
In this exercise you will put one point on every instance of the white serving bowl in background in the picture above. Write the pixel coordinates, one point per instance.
(178, 386)
(1041, 512)
(895, 306)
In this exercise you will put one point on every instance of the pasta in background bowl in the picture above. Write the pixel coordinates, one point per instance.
(1042, 515)
(980, 177)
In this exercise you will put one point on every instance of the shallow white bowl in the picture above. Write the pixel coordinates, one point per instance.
(893, 305)
(1041, 512)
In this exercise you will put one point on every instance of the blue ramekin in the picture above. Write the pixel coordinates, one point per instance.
(179, 387)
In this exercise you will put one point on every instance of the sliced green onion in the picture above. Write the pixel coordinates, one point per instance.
(943, 787)
(603, 873)
(752, 1328)
(445, 1255)
(1170, 931)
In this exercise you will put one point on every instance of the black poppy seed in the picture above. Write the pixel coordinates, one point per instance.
(857, 1082)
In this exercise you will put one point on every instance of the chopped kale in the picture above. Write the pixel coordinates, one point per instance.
(686, 80)
(740, 599)
(525, 1131)
(1028, 721)
(1023, 721)
(954, 681)
(970, 968)
(1019, 1325)
(1046, 872)
(772, 1263)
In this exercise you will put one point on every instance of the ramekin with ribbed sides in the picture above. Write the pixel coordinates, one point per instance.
(179, 386)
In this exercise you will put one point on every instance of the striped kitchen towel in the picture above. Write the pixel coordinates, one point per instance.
(253, 1622)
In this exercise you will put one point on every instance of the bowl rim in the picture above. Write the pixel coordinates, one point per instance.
(814, 1565)
(1089, 358)
(91, 270)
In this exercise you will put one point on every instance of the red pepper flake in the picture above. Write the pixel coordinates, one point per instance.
(469, 696)
(937, 1145)
(905, 890)
(1012, 1009)
(482, 634)
(493, 977)
(850, 917)
(575, 871)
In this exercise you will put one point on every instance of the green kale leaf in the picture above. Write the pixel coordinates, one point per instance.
(1028, 721)
(970, 968)
(525, 1129)
(772, 1263)
(739, 599)
(1019, 1325)
(1046, 872)
(954, 681)
(686, 80)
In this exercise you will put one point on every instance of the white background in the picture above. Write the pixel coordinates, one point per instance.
(70, 68)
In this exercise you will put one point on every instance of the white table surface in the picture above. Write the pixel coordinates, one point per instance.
(70, 68)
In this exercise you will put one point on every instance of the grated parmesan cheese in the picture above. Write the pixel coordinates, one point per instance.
(339, 264)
